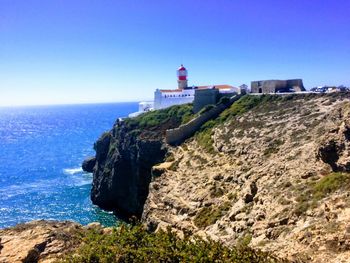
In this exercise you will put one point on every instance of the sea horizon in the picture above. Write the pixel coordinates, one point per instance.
(69, 104)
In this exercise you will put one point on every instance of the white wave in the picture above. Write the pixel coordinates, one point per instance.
(72, 171)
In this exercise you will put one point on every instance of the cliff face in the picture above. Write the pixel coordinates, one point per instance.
(125, 156)
(123, 170)
(272, 171)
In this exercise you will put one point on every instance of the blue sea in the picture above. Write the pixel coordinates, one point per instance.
(41, 151)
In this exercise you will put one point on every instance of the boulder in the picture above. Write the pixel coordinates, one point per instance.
(89, 164)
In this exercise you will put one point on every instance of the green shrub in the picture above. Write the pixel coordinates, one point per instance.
(176, 115)
(224, 100)
(206, 109)
(206, 217)
(216, 191)
(273, 147)
(330, 184)
(313, 192)
(135, 244)
(209, 215)
(203, 136)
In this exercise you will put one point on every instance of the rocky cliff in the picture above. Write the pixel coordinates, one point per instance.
(271, 171)
(125, 156)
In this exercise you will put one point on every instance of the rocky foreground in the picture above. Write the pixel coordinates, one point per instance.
(38, 240)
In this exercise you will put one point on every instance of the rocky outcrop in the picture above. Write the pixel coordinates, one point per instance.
(277, 178)
(89, 164)
(335, 148)
(38, 241)
(123, 171)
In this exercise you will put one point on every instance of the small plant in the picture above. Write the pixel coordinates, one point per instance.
(209, 215)
(216, 191)
(174, 165)
(224, 100)
(232, 196)
(330, 184)
(273, 147)
(170, 158)
(244, 240)
(206, 109)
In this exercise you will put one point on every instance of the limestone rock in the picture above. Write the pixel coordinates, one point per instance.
(38, 241)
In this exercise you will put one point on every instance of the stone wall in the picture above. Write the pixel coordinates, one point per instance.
(204, 97)
(179, 135)
(273, 86)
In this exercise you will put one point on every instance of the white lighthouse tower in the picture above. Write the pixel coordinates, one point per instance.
(182, 77)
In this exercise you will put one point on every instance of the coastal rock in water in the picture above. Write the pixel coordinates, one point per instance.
(89, 164)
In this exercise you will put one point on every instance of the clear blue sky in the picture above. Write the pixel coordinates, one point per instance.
(68, 51)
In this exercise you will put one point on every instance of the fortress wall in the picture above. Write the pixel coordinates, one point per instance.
(179, 135)
(203, 98)
(297, 84)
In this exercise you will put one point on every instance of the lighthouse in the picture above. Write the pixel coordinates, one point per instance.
(182, 77)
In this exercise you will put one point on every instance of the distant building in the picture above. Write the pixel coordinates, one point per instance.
(328, 89)
(277, 86)
(244, 88)
(144, 106)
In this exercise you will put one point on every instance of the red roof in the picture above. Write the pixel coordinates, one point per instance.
(170, 90)
(181, 67)
(219, 87)
(216, 87)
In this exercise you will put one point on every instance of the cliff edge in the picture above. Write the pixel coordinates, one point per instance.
(272, 171)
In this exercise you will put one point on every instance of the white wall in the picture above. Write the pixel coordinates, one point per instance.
(167, 99)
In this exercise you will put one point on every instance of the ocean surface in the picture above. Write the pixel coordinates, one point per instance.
(41, 151)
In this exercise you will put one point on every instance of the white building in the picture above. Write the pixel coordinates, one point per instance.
(144, 106)
(167, 98)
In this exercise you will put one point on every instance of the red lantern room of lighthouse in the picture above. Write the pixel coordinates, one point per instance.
(182, 77)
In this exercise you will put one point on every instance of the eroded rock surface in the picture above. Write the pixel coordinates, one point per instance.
(38, 241)
(266, 181)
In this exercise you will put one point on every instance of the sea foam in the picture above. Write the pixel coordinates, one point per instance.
(72, 171)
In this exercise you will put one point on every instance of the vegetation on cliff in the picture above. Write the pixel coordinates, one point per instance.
(204, 135)
(263, 104)
(136, 244)
(314, 191)
(160, 120)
